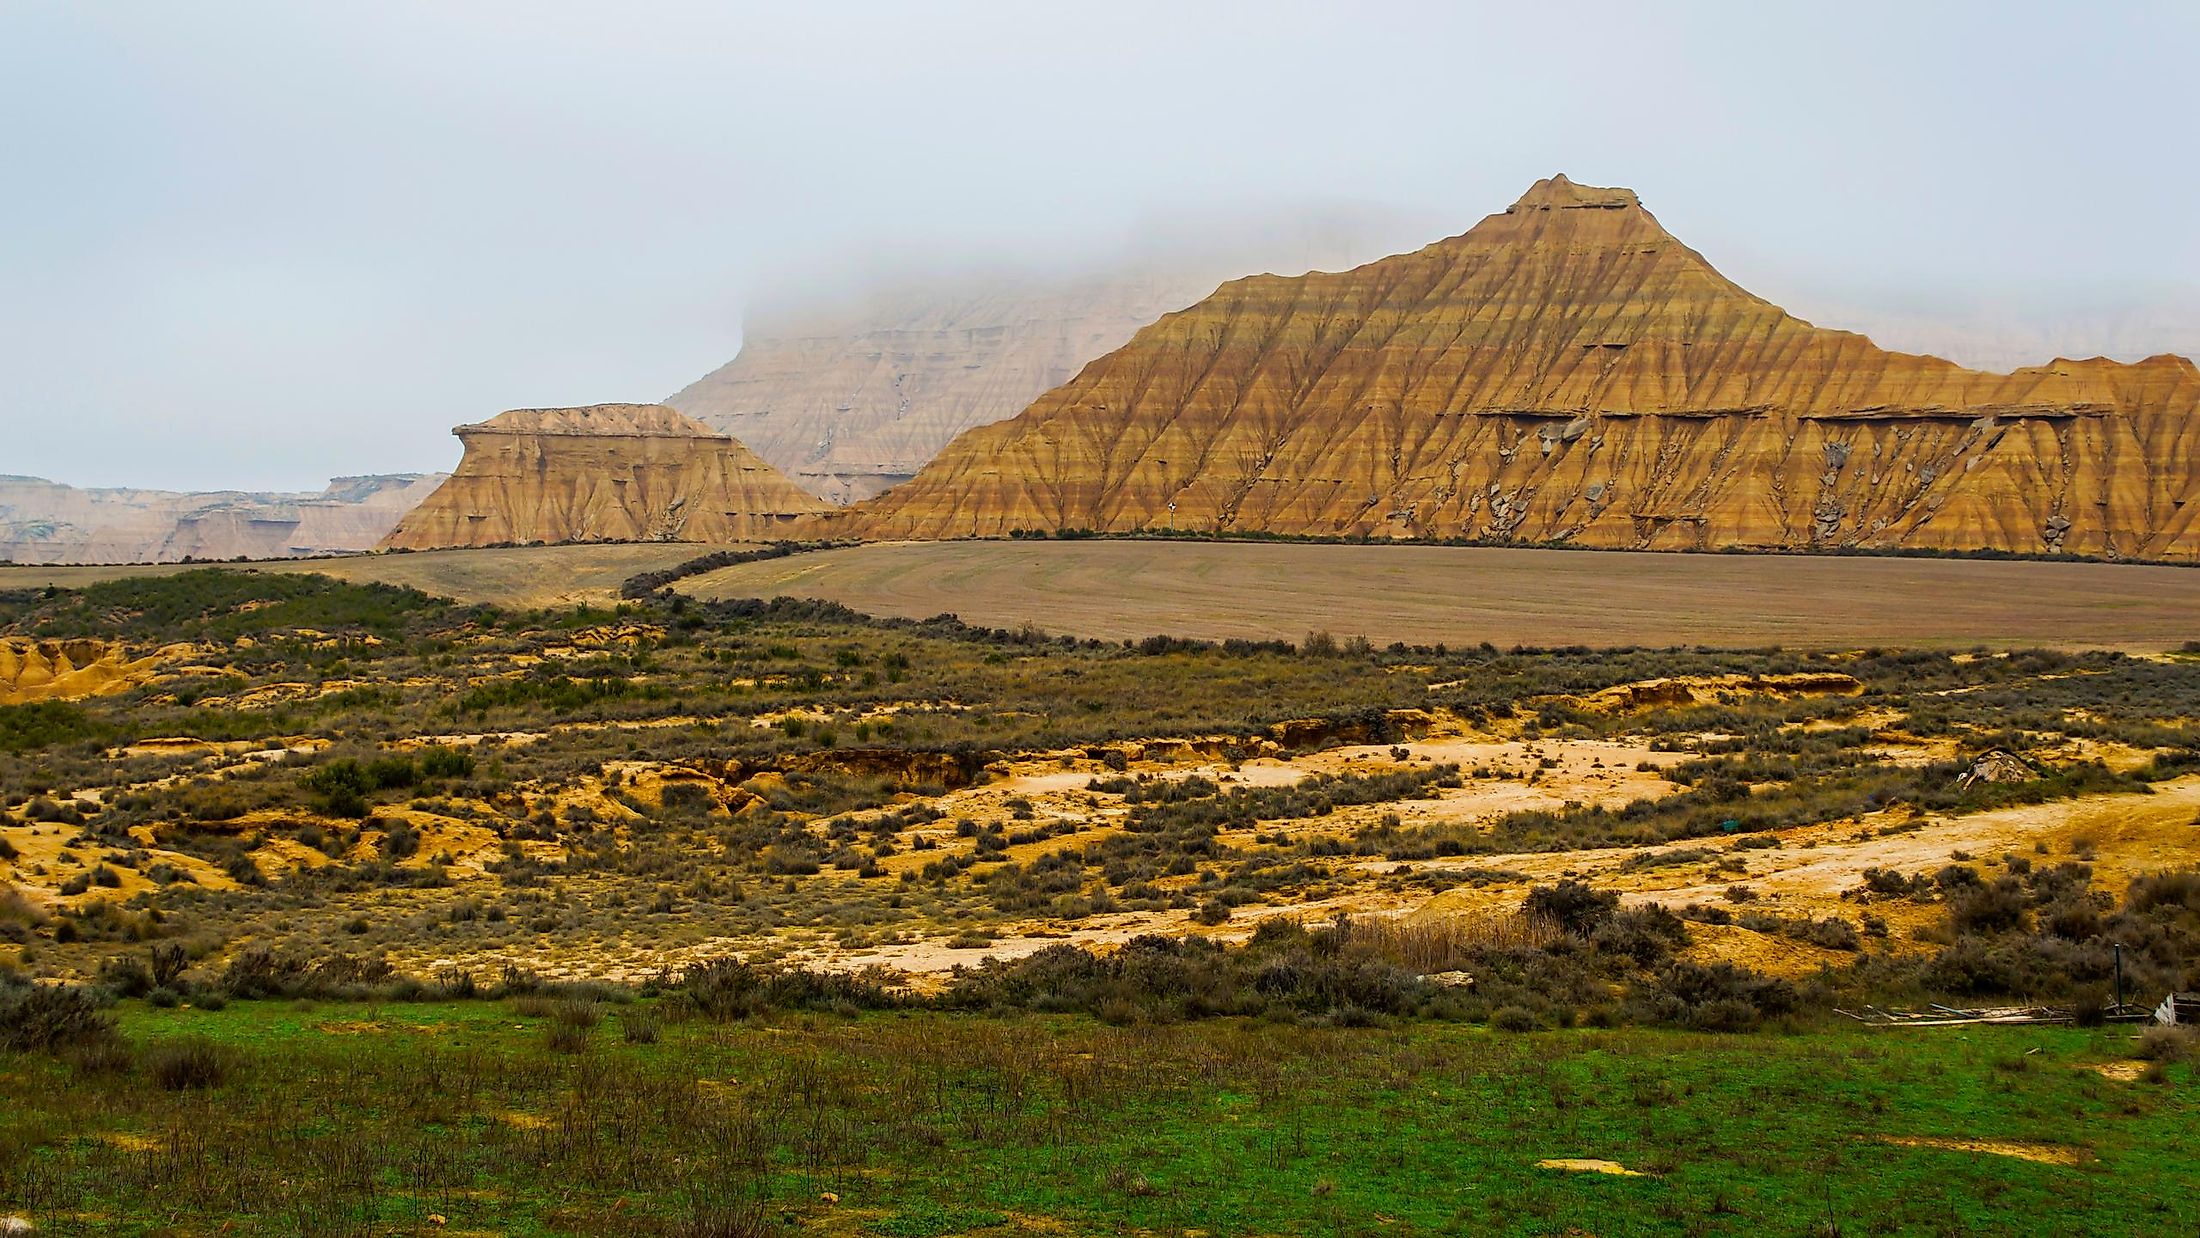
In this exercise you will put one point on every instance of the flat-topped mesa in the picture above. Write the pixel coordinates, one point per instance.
(1567, 371)
(592, 421)
(603, 473)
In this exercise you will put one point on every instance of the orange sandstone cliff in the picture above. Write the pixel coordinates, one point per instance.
(1567, 371)
(608, 472)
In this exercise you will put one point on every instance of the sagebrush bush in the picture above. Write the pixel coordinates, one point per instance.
(47, 1017)
(2168, 1044)
(187, 1064)
(640, 1026)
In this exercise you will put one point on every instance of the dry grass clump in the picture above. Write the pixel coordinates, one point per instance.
(1446, 943)
(188, 1064)
(640, 1025)
(2168, 1044)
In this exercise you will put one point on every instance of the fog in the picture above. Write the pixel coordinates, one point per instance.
(258, 245)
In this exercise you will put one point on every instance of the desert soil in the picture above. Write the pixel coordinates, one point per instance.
(1465, 595)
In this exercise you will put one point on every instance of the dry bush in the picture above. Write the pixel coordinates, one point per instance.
(187, 1065)
(50, 1017)
(1447, 943)
(2168, 1044)
(576, 1012)
(640, 1026)
(562, 1037)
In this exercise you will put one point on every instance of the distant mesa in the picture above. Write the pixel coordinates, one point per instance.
(1566, 372)
(46, 522)
(603, 473)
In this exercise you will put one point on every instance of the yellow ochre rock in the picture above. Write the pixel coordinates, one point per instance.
(1568, 372)
(33, 669)
(607, 472)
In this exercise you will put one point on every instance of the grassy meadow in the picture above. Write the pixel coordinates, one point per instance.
(478, 1117)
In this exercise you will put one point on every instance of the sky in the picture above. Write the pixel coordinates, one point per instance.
(257, 245)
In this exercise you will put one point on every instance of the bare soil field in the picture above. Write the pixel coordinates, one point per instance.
(528, 576)
(1466, 595)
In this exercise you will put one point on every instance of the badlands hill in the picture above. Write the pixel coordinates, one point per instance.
(607, 472)
(1567, 371)
(850, 404)
(46, 522)
(853, 394)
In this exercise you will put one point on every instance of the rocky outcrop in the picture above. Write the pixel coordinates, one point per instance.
(32, 669)
(46, 522)
(608, 472)
(1567, 372)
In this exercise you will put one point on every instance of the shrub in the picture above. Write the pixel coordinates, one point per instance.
(126, 976)
(45, 1017)
(189, 1064)
(577, 1012)
(562, 1037)
(729, 989)
(1514, 1019)
(1573, 906)
(2166, 1044)
(640, 1026)
(257, 972)
(1998, 908)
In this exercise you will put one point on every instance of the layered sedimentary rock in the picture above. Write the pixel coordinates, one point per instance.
(1568, 372)
(608, 472)
(46, 522)
(852, 396)
(848, 406)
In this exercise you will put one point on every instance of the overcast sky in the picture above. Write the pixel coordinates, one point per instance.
(260, 244)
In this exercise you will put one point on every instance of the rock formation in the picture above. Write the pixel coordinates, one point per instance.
(45, 522)
(849, 406)
(608, 472)
(852, 398)
(33, 669)
(1567, 372)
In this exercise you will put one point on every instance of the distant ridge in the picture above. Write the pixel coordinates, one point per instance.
(48, 522)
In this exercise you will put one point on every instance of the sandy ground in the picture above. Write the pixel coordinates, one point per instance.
(1805, 875)
(1463, 595)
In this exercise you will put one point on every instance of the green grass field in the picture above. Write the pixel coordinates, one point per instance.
(353, 1119)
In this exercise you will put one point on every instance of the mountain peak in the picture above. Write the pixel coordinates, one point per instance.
(1557, 193)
